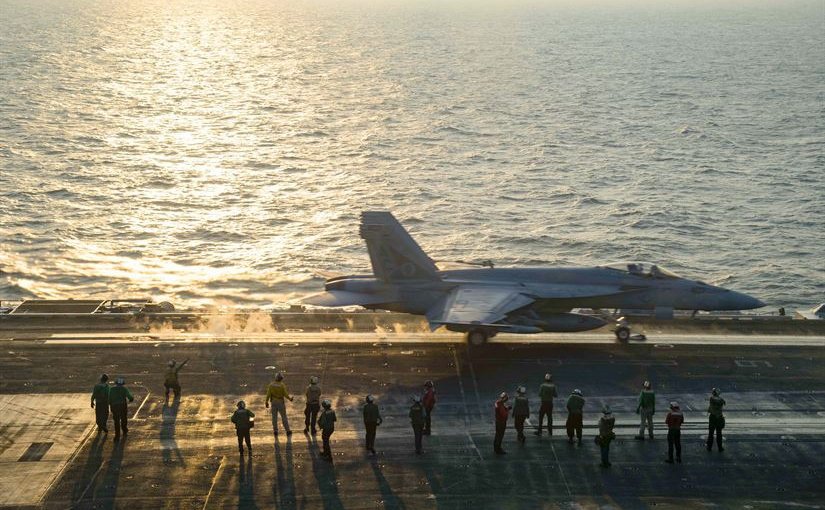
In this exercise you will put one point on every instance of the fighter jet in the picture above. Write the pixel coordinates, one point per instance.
(484, 301)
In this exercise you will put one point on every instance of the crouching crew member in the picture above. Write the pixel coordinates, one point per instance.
(171, 381)
(100, 403)
(575, 410)
(645, 409)
(327, 421)
(606, 435)
(118, 397)
(502, 411)
(716, 420)
(674, 421)
(521, 411)
(372, 419)
(547, 392)
(243, 419)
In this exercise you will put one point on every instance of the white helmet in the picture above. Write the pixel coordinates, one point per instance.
(370, 399)
(521, 390)
(504, 396)
(548, 377)
(327, 404)
(171, 363)
(577, 392)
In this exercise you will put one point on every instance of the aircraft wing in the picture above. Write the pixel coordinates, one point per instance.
(477, 304)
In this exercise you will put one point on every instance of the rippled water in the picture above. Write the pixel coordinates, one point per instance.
(219, 152)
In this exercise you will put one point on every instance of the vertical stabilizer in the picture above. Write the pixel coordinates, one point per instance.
(395, 256)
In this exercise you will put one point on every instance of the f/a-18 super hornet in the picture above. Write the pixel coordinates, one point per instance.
(481, 302)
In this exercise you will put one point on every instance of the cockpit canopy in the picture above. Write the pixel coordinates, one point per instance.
(643, 269)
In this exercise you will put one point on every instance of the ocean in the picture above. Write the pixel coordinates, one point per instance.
(219, 153)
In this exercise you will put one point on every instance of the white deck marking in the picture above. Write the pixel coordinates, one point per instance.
(214, 481)
(464, 403)
(141, 404)
(561, 471)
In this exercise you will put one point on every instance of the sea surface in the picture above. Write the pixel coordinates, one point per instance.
(219, 153)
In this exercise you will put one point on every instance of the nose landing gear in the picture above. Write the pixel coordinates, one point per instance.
(622, 331)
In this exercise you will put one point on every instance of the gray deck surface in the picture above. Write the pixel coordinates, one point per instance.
(185, 456)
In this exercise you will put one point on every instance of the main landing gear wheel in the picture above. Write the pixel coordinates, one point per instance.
(622, 333)
(477, 337)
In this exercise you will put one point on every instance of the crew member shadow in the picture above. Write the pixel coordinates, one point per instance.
(94, 462)
(326, 478)
(284, 488)
(387, 494)
(246, 484)
(169, 445)
(106, 498)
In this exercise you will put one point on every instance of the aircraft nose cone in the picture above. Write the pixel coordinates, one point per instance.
(739, 301)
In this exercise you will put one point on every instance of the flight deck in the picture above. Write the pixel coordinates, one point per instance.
(185, 455)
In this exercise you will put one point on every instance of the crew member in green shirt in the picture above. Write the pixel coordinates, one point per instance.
(575, 408)
(645, 409)
(100, 403)
(547, 392)
(372, 419)
(118, 397)
(327, 424)
(242, 418)
(521, 411)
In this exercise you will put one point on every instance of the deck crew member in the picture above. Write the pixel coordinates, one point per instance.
(606, 434)
(243, 420)
(372, 419)
(645, 409)
(674, 421)
(502, 411)
(575, 410)
(428, 401)
(277, 394)
(313, 405)
(171, 381)
(417, 421)
(327, 421)
(100, 403)
(716, 420)
(521, 411)
(118, 397)
(547, 392)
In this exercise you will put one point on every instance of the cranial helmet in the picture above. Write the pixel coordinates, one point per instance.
(416, 399)
(327, 404)
(715, 392)
(241, 404)
(548, 377)
(370, 399)
(577, 392)
(120, 381)
(647, 385)
(504, 396)
(171, 362)
(279, 376)
(674, 405)
(521, 390)
(428, 384)
(313, 380)
(606, 409)
(104, 378)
